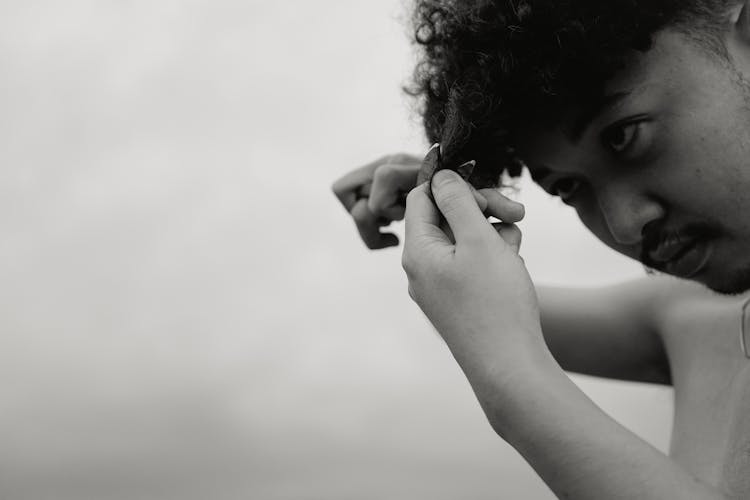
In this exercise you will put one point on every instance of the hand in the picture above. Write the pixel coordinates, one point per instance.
(375, 196)
(476, 291)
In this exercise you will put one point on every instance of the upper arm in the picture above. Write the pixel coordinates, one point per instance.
(606, 332)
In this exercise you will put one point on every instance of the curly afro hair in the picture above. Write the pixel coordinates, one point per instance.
(486, 64)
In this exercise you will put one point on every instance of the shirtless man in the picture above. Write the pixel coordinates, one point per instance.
(655, 159)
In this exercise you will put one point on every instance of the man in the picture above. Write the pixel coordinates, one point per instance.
(637, 114)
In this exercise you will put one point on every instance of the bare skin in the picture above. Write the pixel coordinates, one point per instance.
(680, 161)
(711, 378)
(658, 330)
(687, 337)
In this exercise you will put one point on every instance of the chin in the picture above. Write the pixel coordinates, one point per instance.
(730, 283)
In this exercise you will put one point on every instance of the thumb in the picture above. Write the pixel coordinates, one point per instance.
(457, 203)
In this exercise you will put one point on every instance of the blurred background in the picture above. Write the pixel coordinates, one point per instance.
(187, 312)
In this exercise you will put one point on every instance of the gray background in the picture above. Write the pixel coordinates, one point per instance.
(186, 311)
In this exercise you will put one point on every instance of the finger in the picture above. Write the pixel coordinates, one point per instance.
(510, 233)
(481, 200)
(389, 181)
(422, 219)
(502, 207)
(363, 191)
(396, 212)
(347, 187)
(457, 204)
(369, 225)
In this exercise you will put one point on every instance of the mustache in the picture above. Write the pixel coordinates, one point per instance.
(655, 234)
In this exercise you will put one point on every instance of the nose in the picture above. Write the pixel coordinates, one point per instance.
(626, 211)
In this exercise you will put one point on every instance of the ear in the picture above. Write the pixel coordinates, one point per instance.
(742, 21)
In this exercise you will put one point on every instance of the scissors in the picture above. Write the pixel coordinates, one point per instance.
(433, 163)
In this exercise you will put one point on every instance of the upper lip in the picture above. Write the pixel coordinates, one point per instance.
(670, 246)
(661, 245)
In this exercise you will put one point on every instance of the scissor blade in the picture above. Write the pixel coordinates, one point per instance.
(430, 165)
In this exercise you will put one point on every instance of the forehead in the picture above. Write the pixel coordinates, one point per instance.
(672, 71)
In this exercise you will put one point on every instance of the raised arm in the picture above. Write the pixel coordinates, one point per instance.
(477, 293)
(606, 332)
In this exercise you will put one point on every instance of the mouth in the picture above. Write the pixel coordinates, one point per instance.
(683, 253)
(690, 260)
(680, 254)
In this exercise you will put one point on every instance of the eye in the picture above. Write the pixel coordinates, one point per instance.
(566, 188)
(621, 138)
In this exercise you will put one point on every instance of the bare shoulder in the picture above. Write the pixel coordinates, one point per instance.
(637, 330)
(664, 309)
(678, 303)
(695, 322)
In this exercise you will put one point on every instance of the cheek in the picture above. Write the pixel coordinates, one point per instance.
(709, 150)
(591, 216)
(707, 176)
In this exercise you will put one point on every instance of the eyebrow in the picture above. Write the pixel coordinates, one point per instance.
(593, 110)
(580, 124)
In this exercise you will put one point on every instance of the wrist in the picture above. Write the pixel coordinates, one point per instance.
(530, 385)
(494, 349)
(506, 368)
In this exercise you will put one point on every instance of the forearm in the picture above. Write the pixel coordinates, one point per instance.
(579, 451)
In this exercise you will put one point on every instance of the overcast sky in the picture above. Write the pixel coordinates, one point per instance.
(186, 311)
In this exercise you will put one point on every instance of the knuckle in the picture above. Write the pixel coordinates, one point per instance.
(336, 188)
(383, 160)
(395, 213)
(360, 213)
(402, 158)
(384, 173)
(375, 208)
